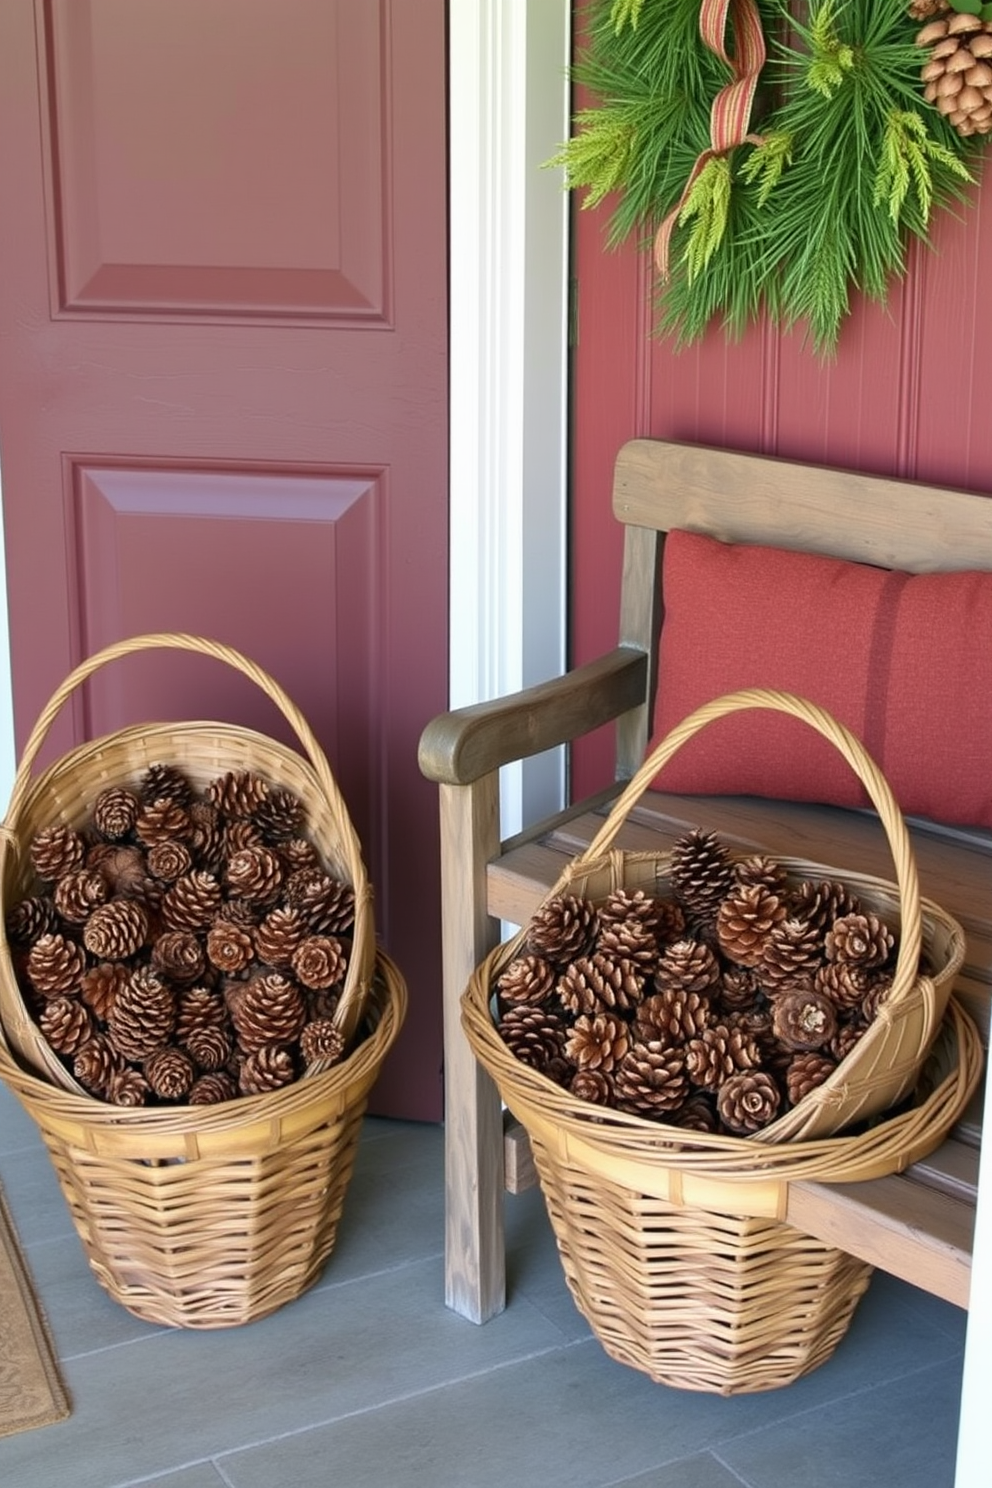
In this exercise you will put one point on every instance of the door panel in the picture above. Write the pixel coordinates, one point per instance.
(223, 392)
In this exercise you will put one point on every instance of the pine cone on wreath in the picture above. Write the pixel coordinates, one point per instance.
(957, 76)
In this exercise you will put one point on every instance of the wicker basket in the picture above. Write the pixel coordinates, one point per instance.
(211, 1216)
(676, 1246)
(202, 750)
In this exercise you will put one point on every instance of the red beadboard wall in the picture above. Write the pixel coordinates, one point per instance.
(909, 394)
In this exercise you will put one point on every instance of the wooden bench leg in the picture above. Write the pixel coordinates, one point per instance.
(474, 1263)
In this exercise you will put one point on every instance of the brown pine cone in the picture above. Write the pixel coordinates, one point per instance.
(206, 839)
(874, 997)
(128, 1087)
(269, 1068)
(267, 1010)
(719, 1052)
(30, 919)
(320, 1003)
(628, 940)
(563, 929)
(821, 902)
(859, 940)
(327, 903)
(687, 965)
(168, 861)
(66, 1023)
(597, 1041)
(198, 1008)
(124, 867)
(54, 966)
(78, 893)
(116, 930)
(738, 988)
(598, 984)
(56, 850)
(957, 77)
(298, 852)
(805, 1072)
(847, 986)
(672, 1016)
(162, 782)
(178, 956)
(115, 812)
(320, 962)
(192, 902)
(142, 1017)
(321, 1044)
(279, 934)
(526, 979)
(212, 1088)
(760, 870)
(95, 1064)
(535, 1035)
(280, 816)
(593, 1085)
(792, 955)
(100, 985)
(849, 1032)
(237, 793)
(239, 834)
(701, 872)
(804, 1020)
(163, 820)
(748, 1101)
(169, 1072)
(651, 1079)
(745, 920)
(662, 917)
(209, 1048)
(230, 947)
(923, 10)
(697, 1113)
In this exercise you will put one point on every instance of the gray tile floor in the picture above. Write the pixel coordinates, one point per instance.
(368, 1381)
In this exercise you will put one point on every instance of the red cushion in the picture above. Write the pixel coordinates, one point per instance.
(904, 660)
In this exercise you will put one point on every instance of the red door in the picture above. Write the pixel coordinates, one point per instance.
(223, 392)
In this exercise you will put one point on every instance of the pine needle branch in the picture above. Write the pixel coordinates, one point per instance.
(708, 207)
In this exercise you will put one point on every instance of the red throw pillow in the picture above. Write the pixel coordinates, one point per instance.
(904, 660)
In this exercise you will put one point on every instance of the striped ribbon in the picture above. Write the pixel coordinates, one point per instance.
(730, 116)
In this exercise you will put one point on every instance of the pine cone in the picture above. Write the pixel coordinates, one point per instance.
(874, 997)
(142, 1017)
(593, 1086)
(804, 1020)
(745, 920)
(597, 984)
(166, 782)
(718, 1052)
(848, 1033)
(847, 986)
(792, 955)
(100, 986)
(230, 947)
(116, 930)
(748, 1101)
(859, 940)
(805, 1072)
(78, 893)
(739, 988)
(209, 1048)
(320, 962)
(527, 979)
(687, 965)
(628, 940)
(169, 860)
(96, 1063)
(66, 1023)
(170, 1073)
(280, 816)
(662, 917)
(279, 935)
(697, 1113)
(957, 76)
(56, 850)
(192, 902)
(128, 1087)
(267, 1010)
(30, 919)
(268, 1068)
(535, 1035)
(760, 870)
(206, 839)
(326, 902)
(198, 1008)
(115, 812)
(55, 966)
(923, 10)
(672, 1016)
(597, 1041)
(701, 872)
(651, 1078)
(178, 956)
(163, 820)
(820, 903)
(563, 929)
(238, 793)
(212, 1088)
(321, 1044)
(124, 867)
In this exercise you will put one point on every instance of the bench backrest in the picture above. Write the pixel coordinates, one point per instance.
(754, 499)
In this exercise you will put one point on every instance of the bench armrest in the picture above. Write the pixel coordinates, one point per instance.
(461, 746)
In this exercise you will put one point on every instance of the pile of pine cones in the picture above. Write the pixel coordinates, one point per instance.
(184, 947)
(716, 1008)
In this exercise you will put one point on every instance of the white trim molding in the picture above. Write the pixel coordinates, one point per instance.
(508, 113)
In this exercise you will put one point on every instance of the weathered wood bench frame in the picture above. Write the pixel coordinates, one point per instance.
(917, 1225)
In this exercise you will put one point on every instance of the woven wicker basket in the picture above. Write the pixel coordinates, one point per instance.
(211, 1216)
(202, 750)
(675, 1245)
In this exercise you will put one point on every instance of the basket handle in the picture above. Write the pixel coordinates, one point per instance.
(871, 777)
(178, 641)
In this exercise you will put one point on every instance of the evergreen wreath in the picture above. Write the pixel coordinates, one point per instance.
(779, 156)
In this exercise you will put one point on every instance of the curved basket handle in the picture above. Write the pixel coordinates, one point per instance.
(350, 1010)
(871, 777)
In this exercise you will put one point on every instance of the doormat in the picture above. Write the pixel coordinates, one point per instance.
(31, 1390)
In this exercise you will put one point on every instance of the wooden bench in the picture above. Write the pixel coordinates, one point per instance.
(918, 1225)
